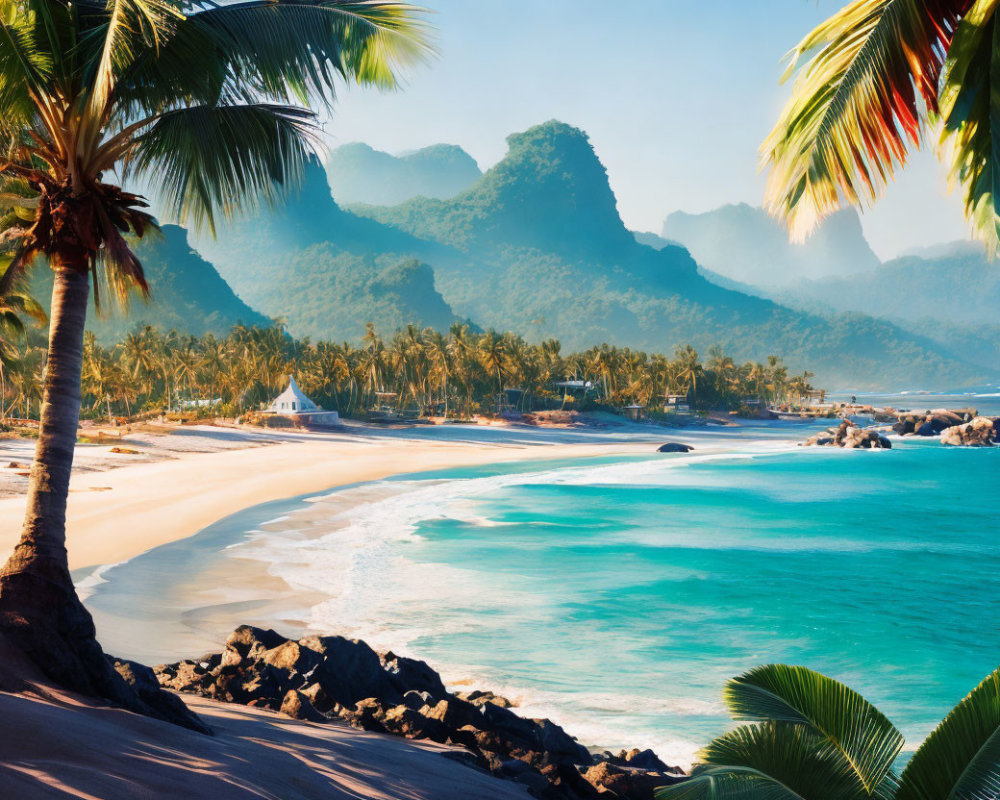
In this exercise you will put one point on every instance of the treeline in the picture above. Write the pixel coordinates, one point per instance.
(458, 373)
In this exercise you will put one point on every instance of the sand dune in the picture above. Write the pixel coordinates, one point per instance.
(63, 748)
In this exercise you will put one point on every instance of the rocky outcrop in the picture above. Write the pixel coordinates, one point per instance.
(931, 423)
(326, 678)
(674, 447)
(166, 706)
(850, 436)
(980, 432)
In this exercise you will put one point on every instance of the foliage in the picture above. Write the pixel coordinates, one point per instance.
(810, 737)
(197, 97)
(460, 372)
(188, 294)
(879, 72)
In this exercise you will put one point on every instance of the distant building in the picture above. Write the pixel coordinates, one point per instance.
(676, 404)
(635, 412)
(295, 404)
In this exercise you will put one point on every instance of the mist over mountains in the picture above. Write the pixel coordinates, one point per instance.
(744, 244)
(536, 245)
(360, 174)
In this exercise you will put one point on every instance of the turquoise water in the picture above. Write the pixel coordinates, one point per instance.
(617, 596)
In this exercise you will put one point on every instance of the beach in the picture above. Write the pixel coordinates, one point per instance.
(197, 475)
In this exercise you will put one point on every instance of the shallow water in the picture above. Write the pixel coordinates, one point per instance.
(617, 595)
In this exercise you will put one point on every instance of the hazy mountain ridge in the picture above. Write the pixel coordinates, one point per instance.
(955, 284)
(327, 272)
(743, 243)
(543, 226)
(360, 174)
(187, 293)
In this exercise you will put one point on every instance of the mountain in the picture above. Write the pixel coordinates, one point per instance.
(187, 293)
(546, 253)
(956, 284)
(327, 272)
(361, 174)
(743, 243)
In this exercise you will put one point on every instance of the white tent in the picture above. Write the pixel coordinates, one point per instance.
(292, 401)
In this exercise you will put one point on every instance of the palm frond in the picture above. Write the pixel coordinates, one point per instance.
(728, 783)
(295, 49)
(842, 718)
(227, 158)
(24, 69)
(970, 111)
(960, 760)
(857, 106)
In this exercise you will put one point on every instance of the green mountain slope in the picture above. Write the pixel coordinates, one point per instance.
(361, 174)
(744, 244)
(327, 272)
(546, 253)
(188, 294)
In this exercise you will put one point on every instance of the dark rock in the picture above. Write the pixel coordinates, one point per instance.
(522, 772)
(166, 706)
(350, 671)
(413, 674)
(417, 700)
(555, 740)
(368, 715)
(477, 698)
(674, 447)
(248, 641)
(298, 706)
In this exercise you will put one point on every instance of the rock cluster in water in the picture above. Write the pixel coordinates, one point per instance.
(849, 435)
(323, 678)
(980, 432)
(931, 423)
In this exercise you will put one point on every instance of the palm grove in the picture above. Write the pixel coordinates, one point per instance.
(456, 374)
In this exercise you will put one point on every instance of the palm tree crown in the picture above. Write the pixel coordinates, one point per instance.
(880, 75)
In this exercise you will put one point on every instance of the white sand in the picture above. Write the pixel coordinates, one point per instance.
(116, 514)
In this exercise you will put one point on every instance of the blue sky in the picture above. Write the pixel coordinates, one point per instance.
(675, 94)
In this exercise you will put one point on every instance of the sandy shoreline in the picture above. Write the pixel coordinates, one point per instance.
(116, 514)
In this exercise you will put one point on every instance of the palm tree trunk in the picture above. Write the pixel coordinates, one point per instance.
(40, 612)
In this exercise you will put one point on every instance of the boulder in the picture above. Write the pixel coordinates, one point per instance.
(350, 671)
(298, 706)
(477, 698)
(980, 432)
(412, 674)
(850, 436)
(163, 704)
(674, 447)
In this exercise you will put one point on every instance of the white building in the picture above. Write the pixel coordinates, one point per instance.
(293, 403)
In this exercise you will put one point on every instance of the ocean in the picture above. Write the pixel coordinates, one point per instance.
(617, 595)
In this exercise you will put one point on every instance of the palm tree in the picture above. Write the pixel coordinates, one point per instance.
(197, 98)
(813, 738)
(881, 74)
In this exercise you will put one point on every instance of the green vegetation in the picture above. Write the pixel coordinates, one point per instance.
(537, 246)
(878, 76)
(458, 373)
(360, 174)
(813, 738)
(200, 99)
(187, 293)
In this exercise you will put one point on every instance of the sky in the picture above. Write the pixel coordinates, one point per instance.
(676, 96)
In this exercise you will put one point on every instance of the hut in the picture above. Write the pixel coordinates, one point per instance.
(294, 403)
